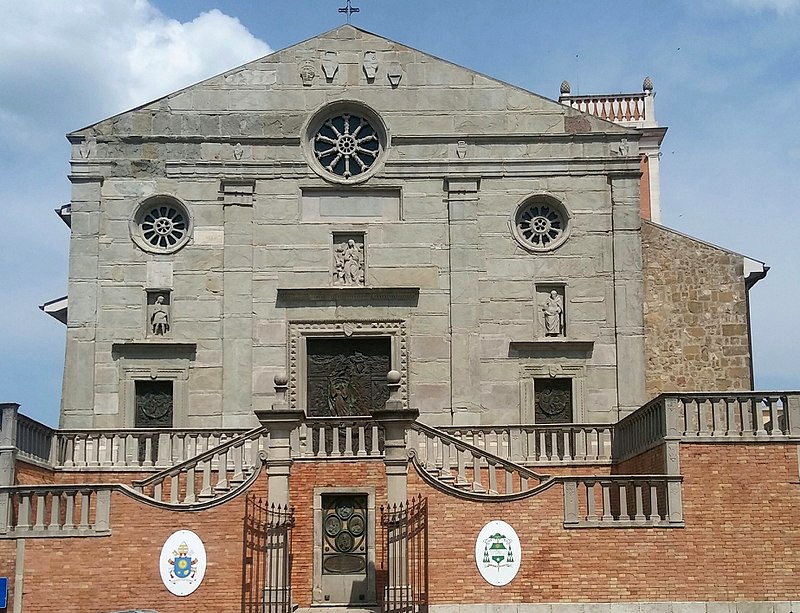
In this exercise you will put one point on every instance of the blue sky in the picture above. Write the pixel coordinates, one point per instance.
(725, 72)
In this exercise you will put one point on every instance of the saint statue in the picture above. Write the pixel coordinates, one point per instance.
(159, 320)
(349, 263)
(553, 310)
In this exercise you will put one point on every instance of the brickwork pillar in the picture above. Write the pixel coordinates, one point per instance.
(395, 421)
(280, 421)
(467, 264)
(8, 442)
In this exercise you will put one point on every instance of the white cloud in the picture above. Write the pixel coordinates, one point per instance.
(90, 59)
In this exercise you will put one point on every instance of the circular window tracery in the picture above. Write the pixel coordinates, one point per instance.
(345, 141)
(161, 225)
(541, 223)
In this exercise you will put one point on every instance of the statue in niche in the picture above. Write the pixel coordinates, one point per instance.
(553, 309)
(159, 319)
(349, 259)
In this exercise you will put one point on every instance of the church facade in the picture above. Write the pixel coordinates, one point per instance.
(349, 317)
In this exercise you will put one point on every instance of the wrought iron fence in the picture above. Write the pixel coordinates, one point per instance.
(405, 556)
(267, 557)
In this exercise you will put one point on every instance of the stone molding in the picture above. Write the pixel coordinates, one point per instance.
(299, 331)
(343, 294)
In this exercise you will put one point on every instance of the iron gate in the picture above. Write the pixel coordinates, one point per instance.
(267, 557)
(405, 556)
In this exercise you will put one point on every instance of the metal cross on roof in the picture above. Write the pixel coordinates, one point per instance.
(349, 10)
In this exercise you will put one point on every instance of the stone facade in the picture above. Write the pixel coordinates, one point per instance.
(697, 333)
(234, 171)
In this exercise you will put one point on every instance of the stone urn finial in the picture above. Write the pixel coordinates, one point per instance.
(647, 84)
(565, 89)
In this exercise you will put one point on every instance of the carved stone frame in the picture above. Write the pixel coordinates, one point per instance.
(300, 331)
(527, 389)
(319, 492)
(154, 362)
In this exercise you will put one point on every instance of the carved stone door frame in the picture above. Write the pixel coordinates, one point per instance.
(299, 332)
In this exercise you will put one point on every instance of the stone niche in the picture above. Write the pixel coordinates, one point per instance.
(551, 311)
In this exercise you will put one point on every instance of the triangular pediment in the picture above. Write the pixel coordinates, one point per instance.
(415, 92)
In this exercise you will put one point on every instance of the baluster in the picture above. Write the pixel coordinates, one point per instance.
(462, 466)
(654, 515)
(41, 502)
(581, 435)
(492, 478)
(530, 446)
(542, 455)
(774, 418)
(189, 498)
(567, 456)
(175, 486)
(55, 513)
(148, 450)
(158, 491)
(702, 417)
(445, 468)
(238, 462)
(348, 439)
(131, 451)
(376, 441)
(222, 470)
(69, 510)
(477, 485)
(86, 502)
(361, 450)
(553, 455)
(730, 417)
(623, 501)
(637, 490)
(758, 417)
(92, 450)
(591, 513)
(605, 487)
(430, 457)
(205, 491)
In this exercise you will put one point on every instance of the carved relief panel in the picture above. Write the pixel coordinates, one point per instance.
(349, 258)
(551, 312)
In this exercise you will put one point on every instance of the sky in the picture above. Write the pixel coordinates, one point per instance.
(725, 73)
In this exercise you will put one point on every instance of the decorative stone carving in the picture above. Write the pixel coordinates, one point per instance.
(238, 151)
(394, 72)
(553, 400)
(330, 65)
(88, 148)
(154, 404)
(370, 65)
(160, 316)
(461, 149)
(307, 72)
(553, 309)
(349, 261)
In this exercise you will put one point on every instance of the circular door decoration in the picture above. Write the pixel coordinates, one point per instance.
(183, 562)
(161, 225)
(541, 223)
(498, 553)
(345, 142)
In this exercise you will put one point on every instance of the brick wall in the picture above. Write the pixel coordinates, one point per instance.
(740, 542)
(695, 315)
(651, 462)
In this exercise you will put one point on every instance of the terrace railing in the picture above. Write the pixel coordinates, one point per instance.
(541, 445)
(334, 438)
(54, 510)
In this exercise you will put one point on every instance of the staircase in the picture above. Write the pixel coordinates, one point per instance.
(209, 477)
(447, 463)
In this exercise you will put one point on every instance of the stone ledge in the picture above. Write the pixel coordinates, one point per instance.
(299, 296)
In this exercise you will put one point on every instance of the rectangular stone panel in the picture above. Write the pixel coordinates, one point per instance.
(361, 205)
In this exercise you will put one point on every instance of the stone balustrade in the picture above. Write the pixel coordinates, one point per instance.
(709, 417)
(209, 474)
(55, 511)
(134, 449)
(337, 438)
(623, 501)
(541, 445)
(34, 439)
(619, 108)
(464, 467)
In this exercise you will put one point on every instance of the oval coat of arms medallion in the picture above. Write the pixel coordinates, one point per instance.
(498, 553)
(182, 562)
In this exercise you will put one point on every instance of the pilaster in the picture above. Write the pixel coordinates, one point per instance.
(8, 442)
(467, 264)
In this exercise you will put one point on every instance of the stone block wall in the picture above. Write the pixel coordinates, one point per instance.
(695, 313)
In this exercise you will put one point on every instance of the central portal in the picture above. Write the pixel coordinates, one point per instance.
(347, 376)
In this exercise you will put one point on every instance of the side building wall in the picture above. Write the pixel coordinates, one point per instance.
(695, 315)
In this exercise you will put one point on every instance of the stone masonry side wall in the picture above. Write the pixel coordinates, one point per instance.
(741, 514)
(695, 314)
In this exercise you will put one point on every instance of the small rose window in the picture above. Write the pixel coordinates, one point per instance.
(541, 223)
(346, 145)
(162, 225)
